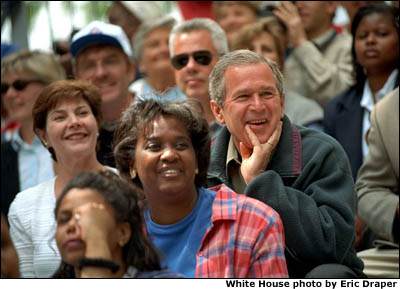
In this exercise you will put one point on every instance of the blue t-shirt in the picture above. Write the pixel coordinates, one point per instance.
(181, 241)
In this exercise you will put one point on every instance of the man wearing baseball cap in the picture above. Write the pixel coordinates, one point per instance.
(102, 55)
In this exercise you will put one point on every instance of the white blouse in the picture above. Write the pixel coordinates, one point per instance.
(32, 229)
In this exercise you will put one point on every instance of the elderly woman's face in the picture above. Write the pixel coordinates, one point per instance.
(166, 162)
(155, 56)
(71, 129)
(20, 96)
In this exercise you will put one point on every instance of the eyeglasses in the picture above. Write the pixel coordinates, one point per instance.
(19, 85)
(202, 57)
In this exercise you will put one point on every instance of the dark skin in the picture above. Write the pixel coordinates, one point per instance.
(9, 257)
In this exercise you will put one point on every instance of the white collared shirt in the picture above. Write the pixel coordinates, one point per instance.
(367, 102)
(35, 164)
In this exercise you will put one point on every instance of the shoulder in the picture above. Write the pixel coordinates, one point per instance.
(7, 149)
(33, 198)
(317, 141)
(389, 104)
(137, 86)
(344, 41)
(227, 201)
(341, 99)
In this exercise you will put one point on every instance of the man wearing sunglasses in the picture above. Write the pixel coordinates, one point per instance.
(195, 47)
(302, 173)
(102, 55)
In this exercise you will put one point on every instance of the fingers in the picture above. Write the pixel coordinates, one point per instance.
(245, 152)
(252, 136)
(274, 139)
(285, 11)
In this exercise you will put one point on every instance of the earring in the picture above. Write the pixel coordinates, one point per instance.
(133, 173)
(45, 144)
(196, 171)
(121, 243)
(97, 134)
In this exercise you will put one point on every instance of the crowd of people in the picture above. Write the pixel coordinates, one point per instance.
(261, 141)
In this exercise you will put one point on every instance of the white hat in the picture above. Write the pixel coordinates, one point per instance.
(98, 32)
(143, 10)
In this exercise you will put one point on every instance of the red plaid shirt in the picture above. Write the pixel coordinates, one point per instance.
(245, 240)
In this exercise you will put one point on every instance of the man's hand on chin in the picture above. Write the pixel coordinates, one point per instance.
(256, 159)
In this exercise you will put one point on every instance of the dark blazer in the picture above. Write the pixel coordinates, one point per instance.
(343, 117)
(9, 176)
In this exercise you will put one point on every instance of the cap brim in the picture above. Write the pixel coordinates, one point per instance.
(88, 40)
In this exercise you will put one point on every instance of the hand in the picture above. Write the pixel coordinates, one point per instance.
(95, 224)
(288, 14)
(255, 161)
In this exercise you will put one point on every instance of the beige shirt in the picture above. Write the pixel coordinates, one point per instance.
(321, 68)
(233, 163)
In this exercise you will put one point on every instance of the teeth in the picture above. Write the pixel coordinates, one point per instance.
(75, 136)
(104, 85)
(171, 172)
(257, 121)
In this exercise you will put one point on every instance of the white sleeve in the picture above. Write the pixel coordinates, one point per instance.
(20, 232)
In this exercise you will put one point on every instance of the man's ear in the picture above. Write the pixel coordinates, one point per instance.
(217, 111)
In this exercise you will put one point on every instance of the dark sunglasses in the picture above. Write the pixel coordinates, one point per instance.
(202, 57)
(19, 85)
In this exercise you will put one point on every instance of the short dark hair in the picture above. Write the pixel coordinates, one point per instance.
(138, 118)
(60, 91)
(123, 198)
(385, 9)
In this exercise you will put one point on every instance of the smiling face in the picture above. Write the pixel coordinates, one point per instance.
(232, 17)
(377, 43)
(19, 104)
(71, 129)
(193, 78)
(251, 99)
(70, 241)
(155, 55)
(264, 44)
(165, 161)
(107, 68)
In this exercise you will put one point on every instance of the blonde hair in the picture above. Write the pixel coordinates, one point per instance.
(269, 24)
(38, 64)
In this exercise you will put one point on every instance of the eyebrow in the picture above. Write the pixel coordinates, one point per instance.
(63, 110)
(248, 90)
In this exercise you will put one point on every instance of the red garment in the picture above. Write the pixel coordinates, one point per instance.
(12, 125)
(193, 9)
(246, 240)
